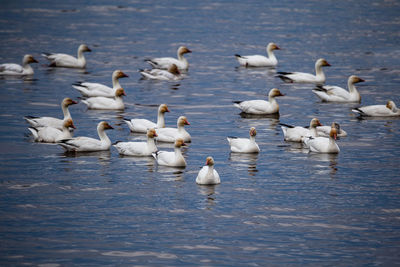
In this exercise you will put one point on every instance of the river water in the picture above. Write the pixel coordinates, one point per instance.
(284, 206)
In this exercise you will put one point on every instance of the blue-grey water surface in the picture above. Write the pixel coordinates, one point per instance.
(283, 206)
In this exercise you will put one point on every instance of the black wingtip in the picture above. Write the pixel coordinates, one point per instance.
(237, 102)
(237, 55)
(286, 125)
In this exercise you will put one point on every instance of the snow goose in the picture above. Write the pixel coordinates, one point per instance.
(13, 69)
(208, 175)
(172, 74)
(329, 93)
(301, 77)
(244, 145)
(50, 134)
(142, 125)
(259, 60)
(169, 135)
(261, 107)
(50, 121)
(100, 102)
(387, 110)
(88, 144)
(88, 89)
(296, 133)
(325, 130)
(68, 61)
(138, 148)
(323, 144)
(172, 159)
(166, 62)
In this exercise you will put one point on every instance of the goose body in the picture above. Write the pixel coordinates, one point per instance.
(68, 61)
(142, 125)
(324, 131)
(387, 110)
(138, 148)
(208, 175)
(37, 122)
(166, 62)
(301, 77)
(330, 93)
(297, 133)
(261, 106)
(106, 103)
(169, 135)
(172, 159)
(259, 60)
(89, 89)
(12, 69)
(172, 74)
(323, 144)
(244, 145)
(88, 144)
(50, 134)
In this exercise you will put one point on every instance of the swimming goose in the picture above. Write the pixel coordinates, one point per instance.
(16, 69)
(172, 74)
(261, 106)
(50, 121)
(301, 77)
(259, 60)
(138, 148)
(325, 130)
(142, 125)
(296, 133)
(387, 110)
(97, 89)
(88, 144)
(208, 175)
(171, 134)
(244, 145)
(52, 135)
(100, 102)
(172, 159)
(67, 61)
(330, 93)
(166, 62)
(323, 144)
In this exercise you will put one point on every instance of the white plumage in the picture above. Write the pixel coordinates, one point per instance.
(172, 74)
(172, 159)
(13, 69)
(208, 175)
(100, 102)
(387, 110)
(301, 77)
(331, 93)
(323, 144)
(138, 148)
(68, 61)
(244, 145)
(259, 60)
(166, 62)
(142, 125)
(261, 107)
(52, 135)
(296, 133)
(171, 134)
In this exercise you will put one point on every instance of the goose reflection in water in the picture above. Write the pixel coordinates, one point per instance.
(245, 160)
(208, 191)
(168, 173)
(326, 158)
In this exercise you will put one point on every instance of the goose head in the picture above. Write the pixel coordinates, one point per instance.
(67, 102)
(179, 143)
(103, 125)
(174, 69)
(275, 92)
(29, 59)
(163, 108)
(333, 132)
(355, 79)
(84, 48)
(182, 120)
(120, 92)
(315, 122)
(68, 123)
(337, 126)
(209, 161)
(272, 46)
(183, 50)
(253, 131)
(391, 105)
(117, 74)
(151, 133)
(322, 63)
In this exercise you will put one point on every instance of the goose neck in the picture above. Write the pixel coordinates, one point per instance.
(160, 120)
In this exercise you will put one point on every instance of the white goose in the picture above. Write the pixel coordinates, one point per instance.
(208, 175)
(172, 74)
(261, 107)
(301, 77)
(52, 135)
(296, 133)
(387, 110)
(142, 125)
(100, 102)
(13, 69)
(244, 145)
(331, 93)
(323, 144)
(138, 148)
(169, 135)
(166, 62)
(68, 61)
(172, 159)
(259, 60)
(88, 89)
(325, 130)
(51, 121)
(88, 144)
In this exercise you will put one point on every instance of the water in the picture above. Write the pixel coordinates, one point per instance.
(281, 207)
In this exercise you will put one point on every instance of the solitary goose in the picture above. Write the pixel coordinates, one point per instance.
(100, 102)
(296, 133)
(13, 69)
(172, 74)
(172, 159)
(329, 93)
(323, 144)
(88, 144)
(208, 175)
(301, 77)
(244, 145)
(171, 134)
(88, 89)
(138, 148)
(387, 110)
(261, 106)
(52, 135)
(259, 60)
(142, 125)
(166, 62)
(68, 61)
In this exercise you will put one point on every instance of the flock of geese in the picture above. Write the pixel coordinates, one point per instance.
(317, 138)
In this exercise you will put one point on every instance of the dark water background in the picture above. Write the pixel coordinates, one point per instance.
(281, 207)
